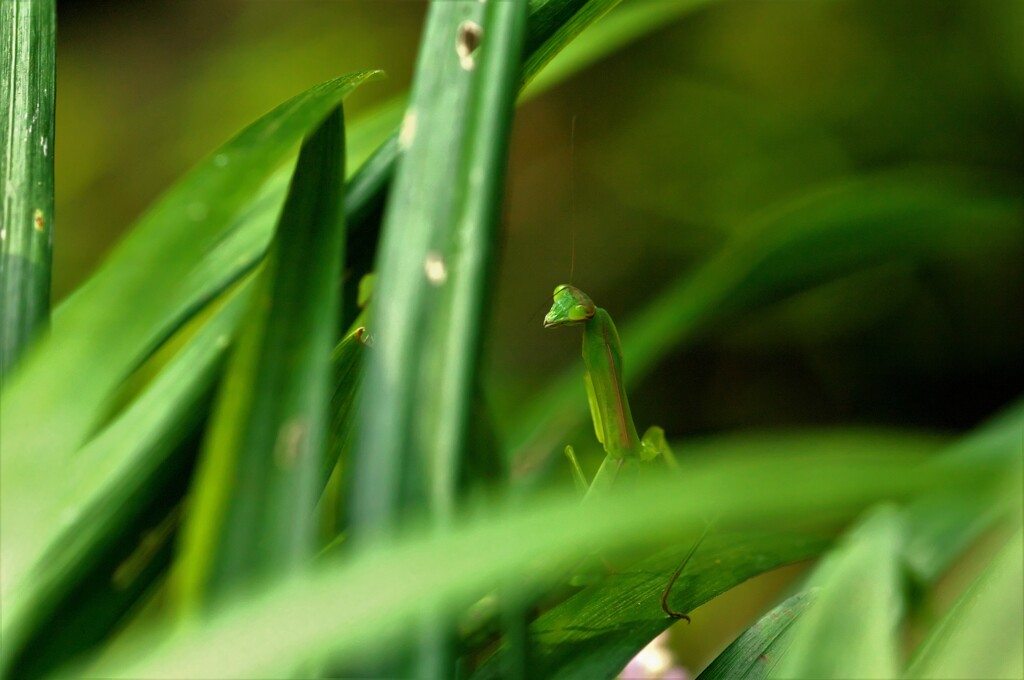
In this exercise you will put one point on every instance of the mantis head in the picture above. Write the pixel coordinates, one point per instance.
(571, 306)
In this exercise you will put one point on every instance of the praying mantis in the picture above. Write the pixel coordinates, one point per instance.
(609, 406)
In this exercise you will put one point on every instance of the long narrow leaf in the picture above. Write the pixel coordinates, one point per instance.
(251, 516)
(434, 269)
(435, 262)
(28, 46)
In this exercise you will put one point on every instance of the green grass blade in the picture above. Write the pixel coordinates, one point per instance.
(852, 630)
(553, 25)
(116, 484)
(261, 468)
(359, 605)
(596, 632)
(349, 362)
(435, 263)
(434, 272)
(942, 527)
(754, 654)
(28, 46)
(831, 231)
(70, 377)
(982, 636)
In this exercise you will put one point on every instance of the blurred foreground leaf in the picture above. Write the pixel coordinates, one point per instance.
(362, 604)
(851, 629)
(982, 636)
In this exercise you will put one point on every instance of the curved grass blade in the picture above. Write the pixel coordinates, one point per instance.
(754, 654)
(852, 630)
(597, 631)
(941, 527)
(982, 636)
(121, 485)
(251, 516)
(833, 230)
(359, 606)
(70, 376)
(28, 45)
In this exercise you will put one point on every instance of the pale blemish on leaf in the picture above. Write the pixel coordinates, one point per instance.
(290, 439)
(408, 132)
(38, 221)
(435, 268)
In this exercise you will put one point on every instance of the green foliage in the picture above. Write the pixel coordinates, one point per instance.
(28, 37)
(194, 485)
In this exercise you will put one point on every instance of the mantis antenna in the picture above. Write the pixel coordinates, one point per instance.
(572, 197)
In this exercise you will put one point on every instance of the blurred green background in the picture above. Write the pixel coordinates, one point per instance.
(708, 131)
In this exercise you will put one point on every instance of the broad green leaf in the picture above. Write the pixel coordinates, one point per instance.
(755, 653)
(982, 636)
(596, 632)
(852, 629)
(28, 45)
(251, 515)
(831, 231)
(120, 484)
(115, 319)
(358, 606)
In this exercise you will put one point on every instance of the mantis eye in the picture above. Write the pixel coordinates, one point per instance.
(559, 288)
(578, 313)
